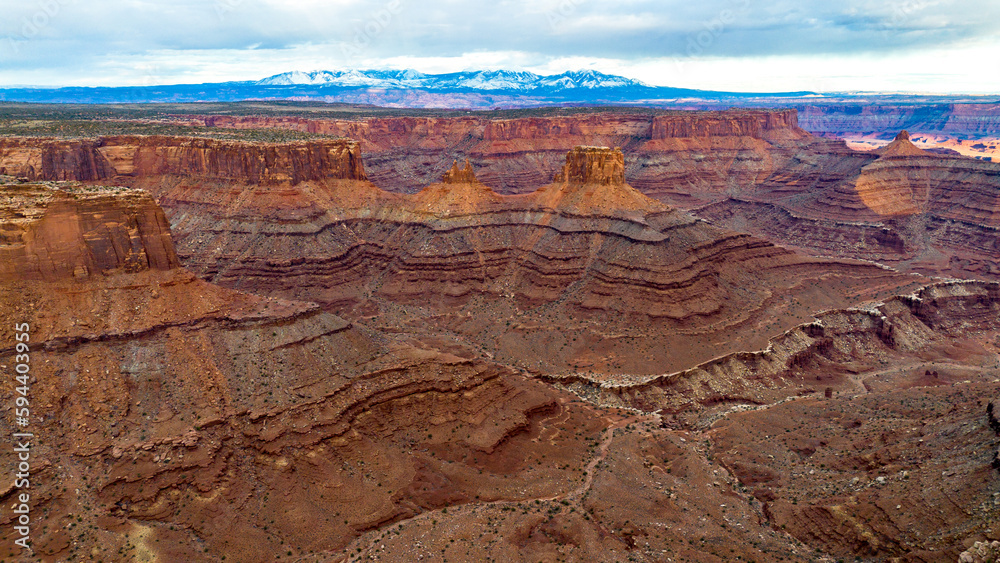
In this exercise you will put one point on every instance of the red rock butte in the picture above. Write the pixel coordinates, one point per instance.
(593, 165)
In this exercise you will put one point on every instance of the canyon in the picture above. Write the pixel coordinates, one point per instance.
(753, 171)
(596, 337)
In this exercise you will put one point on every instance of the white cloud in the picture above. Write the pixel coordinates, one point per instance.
(736, 44)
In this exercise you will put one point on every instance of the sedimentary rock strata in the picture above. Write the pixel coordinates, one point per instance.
(141, 156)
(672, 153)
(52, 234)
(163, 399)
(619, 270)
(574, 372)
(900, 206)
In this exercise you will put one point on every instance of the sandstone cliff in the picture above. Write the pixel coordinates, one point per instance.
(952, 119)
(754, 124)
(495, 269)
(110, 157)
(900, 206)
(50, 234)
(675, 154)
(152, 386)
(185, 421)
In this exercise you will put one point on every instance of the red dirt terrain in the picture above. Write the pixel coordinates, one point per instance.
(322, 370)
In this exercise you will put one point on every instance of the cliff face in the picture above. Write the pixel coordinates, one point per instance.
(588, 249)
(169, 402)
(754, 124)
(949, 119)
(906, 180)
(191, 422)
(593, 165)
(899, 205)
(110, 157)
(676, 156)
(151, 385)
(51, 234)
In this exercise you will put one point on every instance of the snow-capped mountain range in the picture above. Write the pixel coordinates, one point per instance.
(488, 80)
(481, 89)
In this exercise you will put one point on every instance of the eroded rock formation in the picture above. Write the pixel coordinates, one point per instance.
(466, 403)
(184, 421)
(900, 206)
(246, 163)
(593, 165)
(52, 234)
(619, 269)
(672, 154)
(754, 171)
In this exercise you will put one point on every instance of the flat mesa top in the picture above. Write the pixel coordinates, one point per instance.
(19, 198)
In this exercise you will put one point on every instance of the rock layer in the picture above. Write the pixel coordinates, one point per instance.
(620, 270)
(52, 234)
(901, 206)
(189, 422)
(248, 163)
(671, 152)
(754, 171)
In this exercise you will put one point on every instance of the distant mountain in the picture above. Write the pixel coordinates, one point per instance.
(490, 80)
(401, 88)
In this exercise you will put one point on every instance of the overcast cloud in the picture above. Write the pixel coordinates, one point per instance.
(925, 45)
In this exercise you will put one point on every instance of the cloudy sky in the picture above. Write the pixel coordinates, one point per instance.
(737, 45)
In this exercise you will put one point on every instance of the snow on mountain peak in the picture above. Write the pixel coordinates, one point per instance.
(507, 80)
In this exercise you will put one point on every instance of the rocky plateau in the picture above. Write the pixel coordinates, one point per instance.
(678, 337)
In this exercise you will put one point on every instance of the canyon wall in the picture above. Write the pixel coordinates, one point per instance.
(423, 387)
(673, 153)
(899, 205)
(53, 234)
(188, 422)
(249, 163)
(747, 170)
(618, 269)
(949, 119)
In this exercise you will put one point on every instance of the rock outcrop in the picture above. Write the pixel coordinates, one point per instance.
(249, 163)
(589, 250)
(900, 206)
(753, 124)
(51, 234)
(754, 171)
(593, 165)
(164, 399)
(456, 175)
(981, 552)
(951, 119)
(891, 331)
(452, 387)
(673, 155)
(843, 469)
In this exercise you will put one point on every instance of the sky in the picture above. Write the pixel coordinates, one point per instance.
(926, 46)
